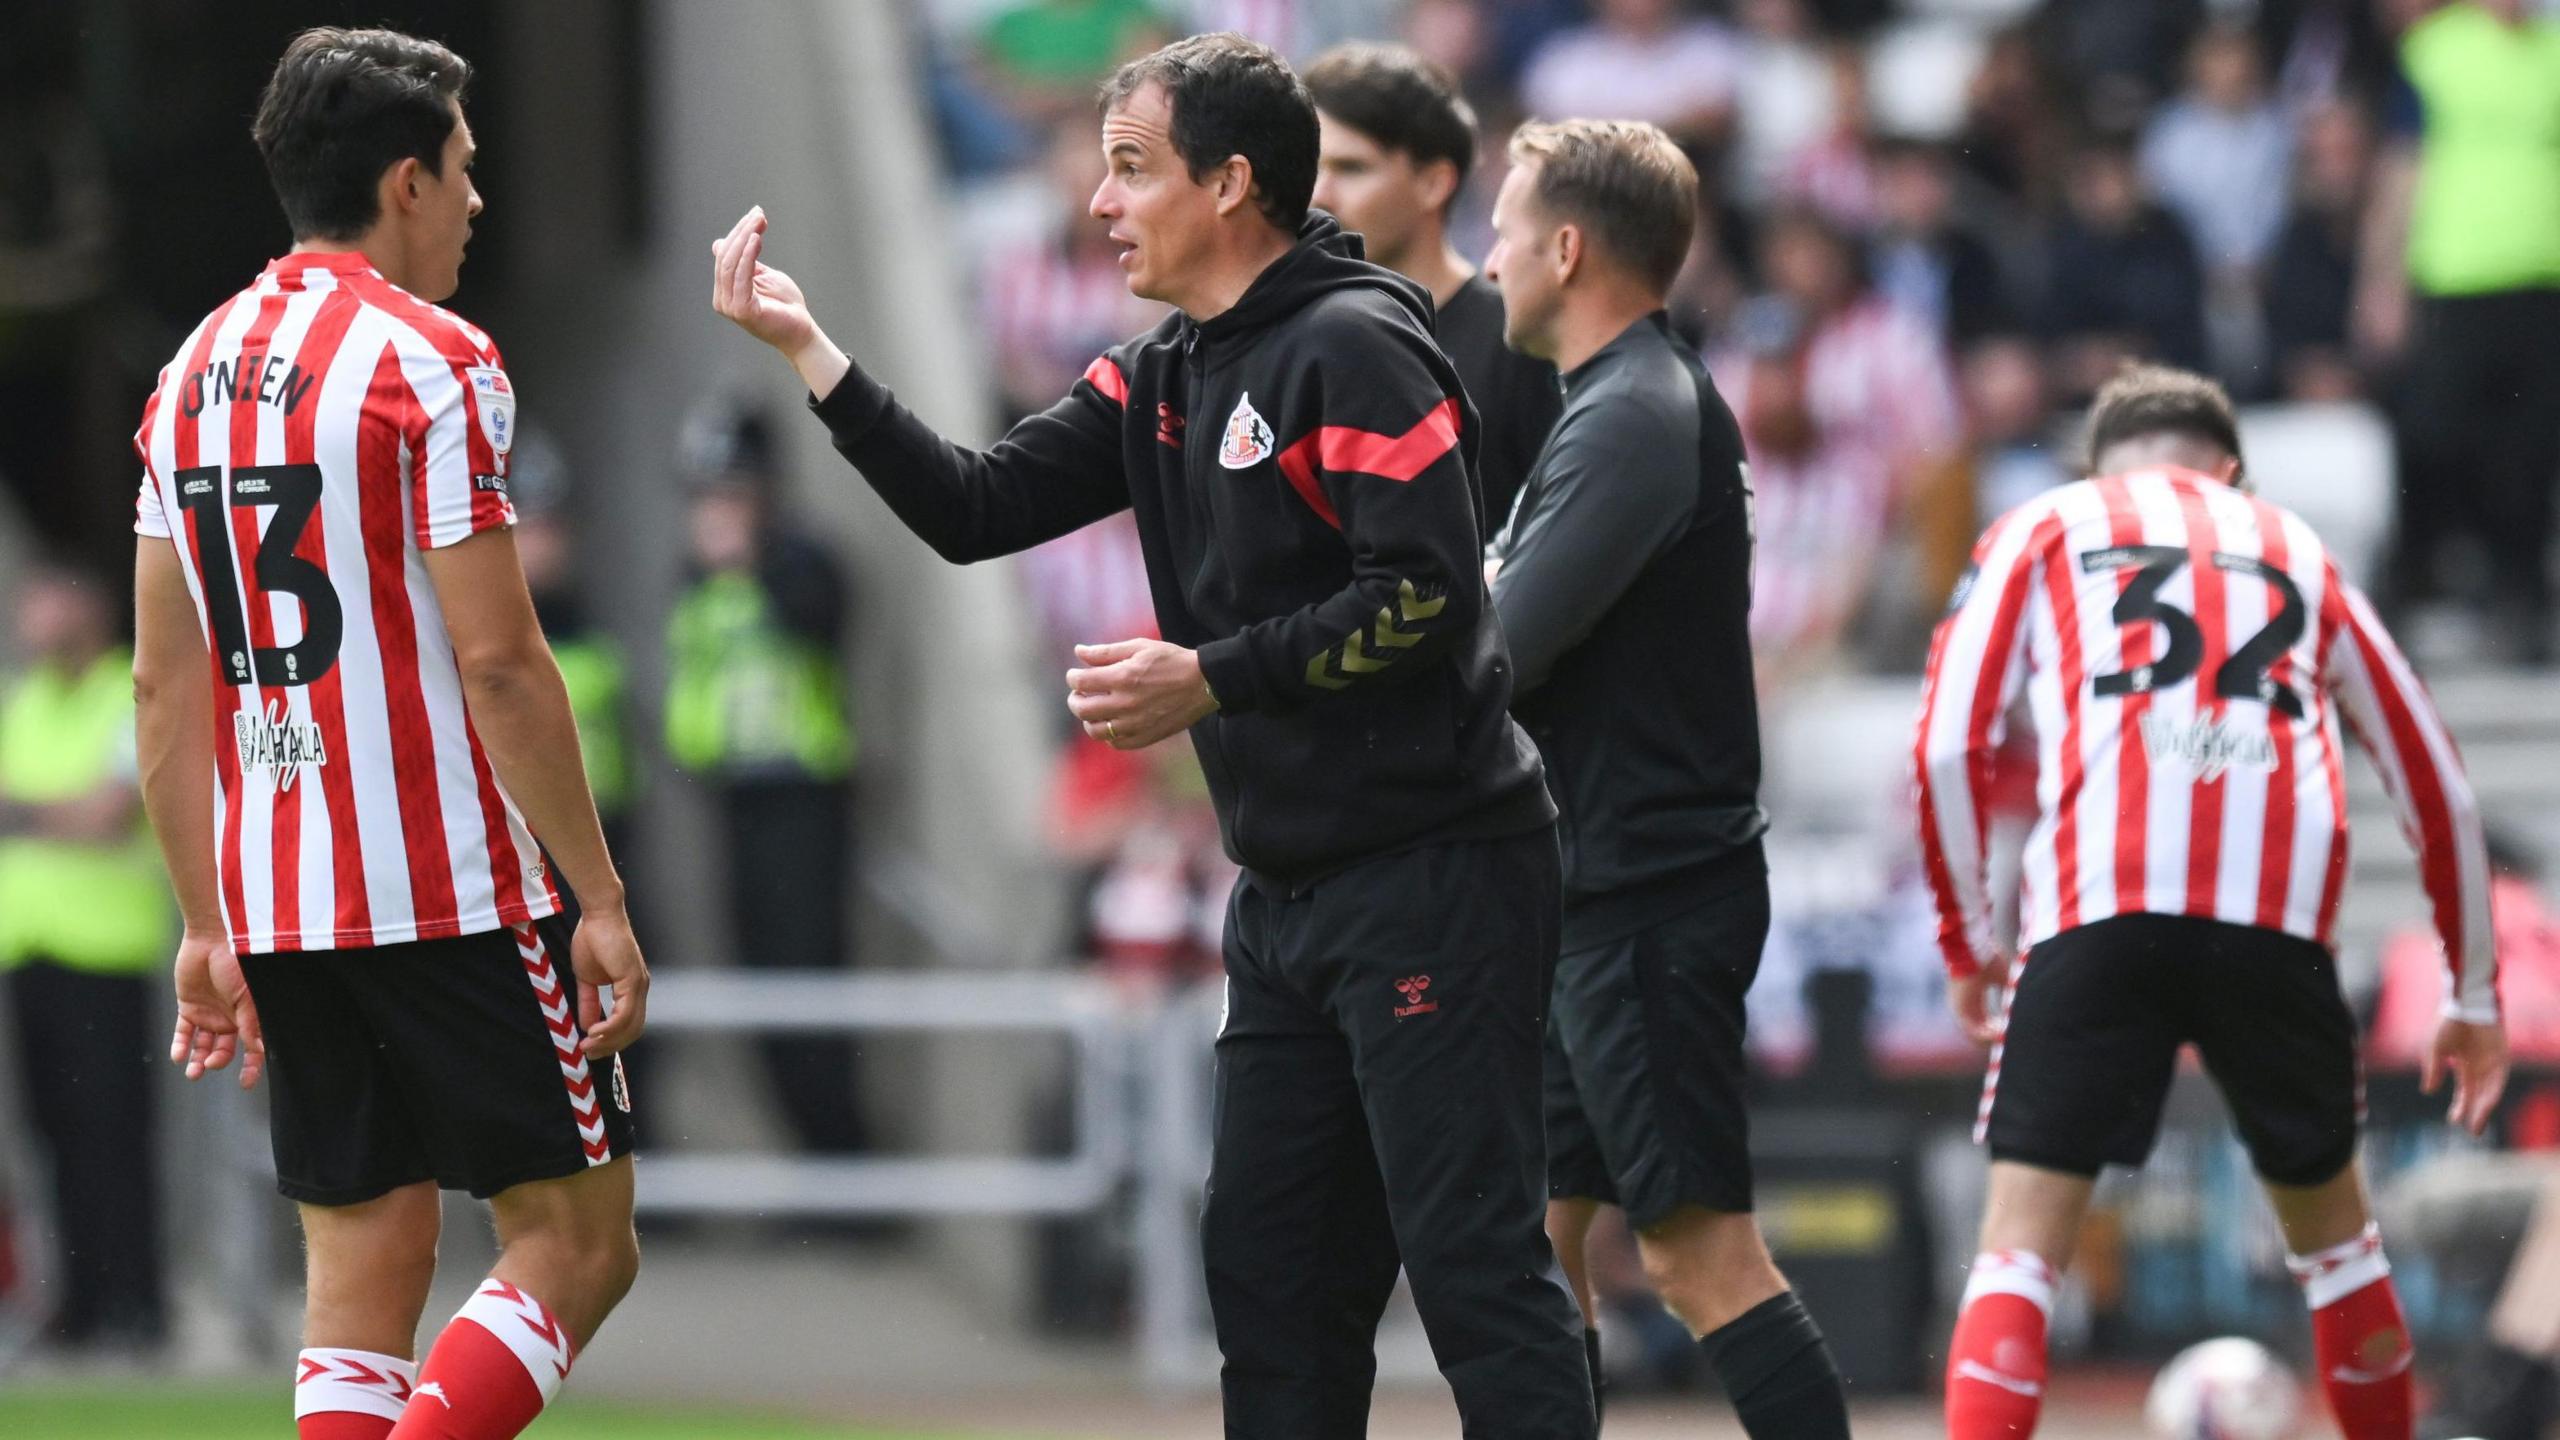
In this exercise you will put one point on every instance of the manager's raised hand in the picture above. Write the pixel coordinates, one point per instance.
(767, 304)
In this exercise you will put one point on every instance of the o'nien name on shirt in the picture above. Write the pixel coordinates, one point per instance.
(267, 379)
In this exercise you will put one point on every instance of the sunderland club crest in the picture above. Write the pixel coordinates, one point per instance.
(1248, 439)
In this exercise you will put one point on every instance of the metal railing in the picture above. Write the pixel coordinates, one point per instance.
(1090, 1013)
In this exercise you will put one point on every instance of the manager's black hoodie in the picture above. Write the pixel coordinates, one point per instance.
(1299, 467)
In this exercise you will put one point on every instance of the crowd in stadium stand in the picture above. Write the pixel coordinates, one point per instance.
(1934, 227)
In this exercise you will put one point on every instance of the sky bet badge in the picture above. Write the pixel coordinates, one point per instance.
(496, 401)
(1248, 439)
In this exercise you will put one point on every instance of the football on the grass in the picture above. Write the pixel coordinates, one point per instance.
(2226, 1389)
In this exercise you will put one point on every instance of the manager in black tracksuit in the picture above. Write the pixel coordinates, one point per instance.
(1624, 580)
(1297, 453)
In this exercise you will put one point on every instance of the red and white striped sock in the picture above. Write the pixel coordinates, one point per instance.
(1996, 1360)
(2358, 1337)
(491, 1371)
(349, 1394)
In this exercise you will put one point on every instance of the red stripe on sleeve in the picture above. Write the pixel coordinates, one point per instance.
(2435, 840)
(1343, 449)
(460, 352)
(393, 419)
(1982, 713)
(1105, 376)
(1955, 949)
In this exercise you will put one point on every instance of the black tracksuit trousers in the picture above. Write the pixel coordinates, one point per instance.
(1377, 1101)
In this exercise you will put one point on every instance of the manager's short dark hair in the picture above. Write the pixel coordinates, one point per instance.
(1231, 96)
(2147, 400)
(342, 107)
(1623, 181)
(1395, 97)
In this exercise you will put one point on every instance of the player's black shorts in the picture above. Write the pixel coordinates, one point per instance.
(447, 1060)
(1644, 1068)
(2100, 1011)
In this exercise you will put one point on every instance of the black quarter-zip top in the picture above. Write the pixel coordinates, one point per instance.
(1300, 471)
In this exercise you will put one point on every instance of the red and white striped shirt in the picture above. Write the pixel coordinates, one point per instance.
(2185, 654)
(313, 437)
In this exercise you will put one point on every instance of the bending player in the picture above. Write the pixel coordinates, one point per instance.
(351, 737)
(2186, 652)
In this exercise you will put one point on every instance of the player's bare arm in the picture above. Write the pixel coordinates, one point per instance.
(520, 708)
(173, 712)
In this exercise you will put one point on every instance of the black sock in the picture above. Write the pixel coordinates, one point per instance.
(1778, 1373)
(1599, 1387)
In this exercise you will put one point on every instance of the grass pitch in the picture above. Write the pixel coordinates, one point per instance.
(150, 1411)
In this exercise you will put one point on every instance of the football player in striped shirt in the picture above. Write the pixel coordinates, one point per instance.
(2185, 655)
(359, 758)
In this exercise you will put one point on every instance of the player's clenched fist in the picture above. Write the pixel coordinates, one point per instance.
(1133, 693)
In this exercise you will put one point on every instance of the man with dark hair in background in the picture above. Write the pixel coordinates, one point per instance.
(361, 763)
(1297, 452)
(1398, 142)
(1624, 582)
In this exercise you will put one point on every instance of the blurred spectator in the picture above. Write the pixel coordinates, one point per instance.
(2323, 50)
(2311, 277)
(1139, 828)
(1456, 36)
(1849, 416)
(57, 229)
(756, 709)
(1785, 98)
(1821, 495)
(1085, 585)
(2122, 56)
(1054, 300)
(2122, 278)
(591, 661)
(2012, 139)
(1514, 32)
(2482, 196)
(1295, 28)
(1641, 60)
(2219, 155)
(1925, 261)
(1874, 374)
(2009, 425)
(980, 137)
(84, 937)
(2528, 950)
(1045, 57)
(1830, 173)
